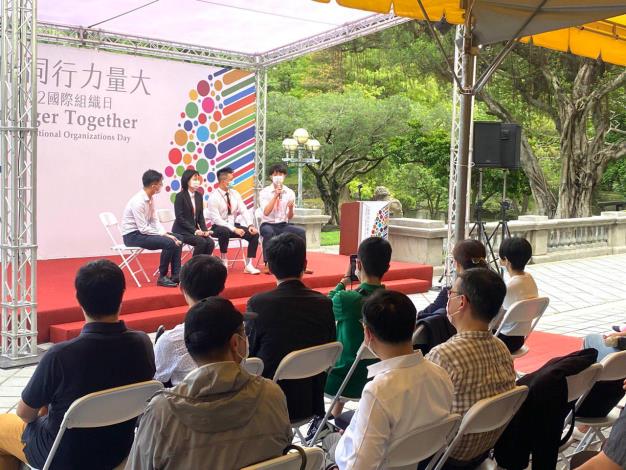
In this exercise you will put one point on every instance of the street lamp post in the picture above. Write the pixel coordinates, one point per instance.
(299, 151)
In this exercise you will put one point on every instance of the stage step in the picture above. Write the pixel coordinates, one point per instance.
(149, 321)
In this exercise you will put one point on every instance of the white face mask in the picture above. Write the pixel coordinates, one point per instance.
(449, 314)
(195, 184)
(278, 179)
(245, 355)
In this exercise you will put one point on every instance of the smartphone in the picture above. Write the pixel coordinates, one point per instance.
(353, 276)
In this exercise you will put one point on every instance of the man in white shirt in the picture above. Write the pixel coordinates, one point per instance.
(201, 277)
(276, 203)
(225, 206)
(141, 228)
(407, 391)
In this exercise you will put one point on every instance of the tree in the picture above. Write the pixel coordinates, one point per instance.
(352, 129)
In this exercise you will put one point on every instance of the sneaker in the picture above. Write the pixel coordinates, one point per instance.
(250, 269)
(165, 281)
(315, 423)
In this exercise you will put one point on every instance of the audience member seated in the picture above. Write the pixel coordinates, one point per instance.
(479, 364)
(467, 254)
(219, 416)
(201, 277)
(515, 253)
(606, 343)
(70, 370)
(406, 392)
(291, 317)
(373, 258)
(190, 225)
(141, 228)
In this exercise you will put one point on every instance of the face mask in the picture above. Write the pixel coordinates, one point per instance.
(195, 184)
(245, 355)
(278, 179)
(449, 314)
(369, 346)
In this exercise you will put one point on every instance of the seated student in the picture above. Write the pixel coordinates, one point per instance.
(105, 355)
(291, 317)
(219, 416)
(141, 227)
(406, 392)
(515, 253)
(467, 254)
(479, 364)
(202, 276)
(605, 344)
(373, 259)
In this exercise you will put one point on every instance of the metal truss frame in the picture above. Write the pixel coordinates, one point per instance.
(18, 191)
(261, 134)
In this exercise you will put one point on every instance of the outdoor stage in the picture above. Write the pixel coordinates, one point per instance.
(59, 317)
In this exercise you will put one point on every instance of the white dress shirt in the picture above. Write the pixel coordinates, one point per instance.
(218, 209)
(520, 287)
(139, 214)
(280, 212)
(172, 360)
(192, 195)
(407, 392)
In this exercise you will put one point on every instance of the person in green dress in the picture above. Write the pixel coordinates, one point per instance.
(373, 258)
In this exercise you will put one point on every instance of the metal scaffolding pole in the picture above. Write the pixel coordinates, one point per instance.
(261, 134)
(18, 146)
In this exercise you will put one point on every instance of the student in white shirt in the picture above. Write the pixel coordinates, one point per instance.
(407, 391)
(276, 203)
(515, 253)
(225, 206)
(141, 228)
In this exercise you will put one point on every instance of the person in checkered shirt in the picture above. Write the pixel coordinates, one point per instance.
(479, 364)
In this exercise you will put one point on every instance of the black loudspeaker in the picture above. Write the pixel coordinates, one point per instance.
(497, 145)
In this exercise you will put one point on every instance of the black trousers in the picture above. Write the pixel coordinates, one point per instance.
(268, 231)
(202, 245)
(513, 343)
(223, 234)
(170, 251)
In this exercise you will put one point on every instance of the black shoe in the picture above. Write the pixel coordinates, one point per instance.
(315, 423)
(175, 279)
(165, 281)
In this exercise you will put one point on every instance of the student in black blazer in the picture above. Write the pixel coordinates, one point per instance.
(190, 224)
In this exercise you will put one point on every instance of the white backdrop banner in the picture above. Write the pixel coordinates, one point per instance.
(105, 118)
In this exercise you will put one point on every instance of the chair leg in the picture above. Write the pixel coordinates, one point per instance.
(142, 269)
(298, 433)
(126, 264)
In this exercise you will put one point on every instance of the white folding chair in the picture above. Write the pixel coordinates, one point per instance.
(254, 365)
(167, 216)
(419, 336)
(314, 461)
(487, 415)
(239, 244)
(307, 363)
(525, 314)
(613, 368)
(127, 253)
(105, 408)
(423, 442)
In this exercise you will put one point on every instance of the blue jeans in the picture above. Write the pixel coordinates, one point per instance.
(170, 251)
(597, 342)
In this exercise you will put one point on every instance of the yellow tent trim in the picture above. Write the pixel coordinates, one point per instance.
(436, 9)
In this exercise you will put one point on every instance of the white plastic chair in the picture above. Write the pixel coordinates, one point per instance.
(419, 336)
(525, 314)
(254, 365)
(307, 363)
(105, 408)
(423, 442)
(613, 368)
(487, 415)
(314, 461)
(239, 244)
(127, 253)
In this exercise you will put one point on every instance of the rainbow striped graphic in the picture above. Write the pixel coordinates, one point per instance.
(217, 129)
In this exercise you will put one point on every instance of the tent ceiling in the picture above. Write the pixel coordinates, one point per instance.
(244, 26)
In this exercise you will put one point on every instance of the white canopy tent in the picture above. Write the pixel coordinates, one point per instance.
(250, 34)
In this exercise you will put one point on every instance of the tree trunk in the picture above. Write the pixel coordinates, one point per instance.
(330, 198)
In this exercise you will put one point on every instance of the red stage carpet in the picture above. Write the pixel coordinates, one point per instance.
(543, 347)
(59, 317)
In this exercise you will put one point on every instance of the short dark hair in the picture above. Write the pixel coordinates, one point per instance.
(187, 175)
(203, 276)
(286, 255)
(470, 254)
(374, 253)
(277, 168)
(484, 290)
(517, 251)
(150, 177)
(224, 171)
(100, 286)
(390, 315)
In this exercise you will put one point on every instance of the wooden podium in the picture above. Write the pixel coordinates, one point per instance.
(360, 220)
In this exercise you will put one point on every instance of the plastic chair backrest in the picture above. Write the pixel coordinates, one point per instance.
(613, 367)
(526, 314)
(254, 365)
(105, 408)
(165, 215)
(494, 412)
(364, 353)
(308, 362)
(578, 385)
(422, 442)
(314, 461)
(419, 335)
(109, 220)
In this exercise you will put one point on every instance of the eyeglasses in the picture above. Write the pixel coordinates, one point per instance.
(456, 292)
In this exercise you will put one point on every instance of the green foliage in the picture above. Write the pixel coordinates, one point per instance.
(330, 238)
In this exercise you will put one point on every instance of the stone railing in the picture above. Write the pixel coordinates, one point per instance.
(312, 221)
(419, 240)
